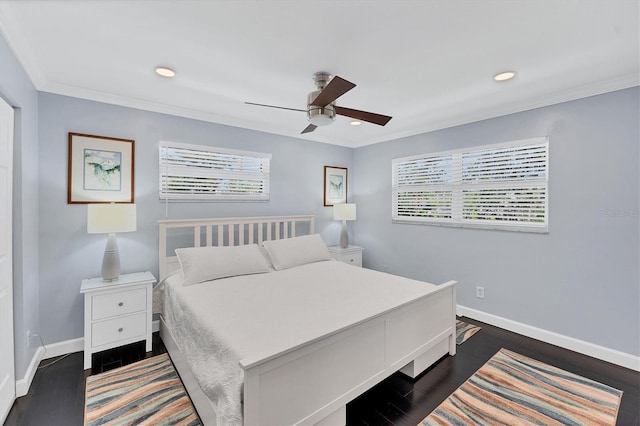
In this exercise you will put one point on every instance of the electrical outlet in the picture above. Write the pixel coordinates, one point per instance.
(385, 268)
(27, 343)
(480, 292)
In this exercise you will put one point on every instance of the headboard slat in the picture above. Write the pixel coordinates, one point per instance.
(241, 234)
(196, 236)
(220, 235)
(209, 232)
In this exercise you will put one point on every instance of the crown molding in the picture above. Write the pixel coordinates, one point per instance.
(553, 98)
(570, 94)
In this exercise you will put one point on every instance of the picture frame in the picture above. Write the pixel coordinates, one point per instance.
(100, 169)
(335, 185)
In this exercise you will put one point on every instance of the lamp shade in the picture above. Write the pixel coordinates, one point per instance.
(344, 211)
(108, 218)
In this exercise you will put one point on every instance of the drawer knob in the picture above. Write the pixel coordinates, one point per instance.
(120, 329)
(121, 303)
(350, 260)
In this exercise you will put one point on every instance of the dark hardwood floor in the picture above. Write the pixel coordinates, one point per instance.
(398, 401)
(56, 397)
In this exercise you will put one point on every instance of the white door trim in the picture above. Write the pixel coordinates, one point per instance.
(7, 361)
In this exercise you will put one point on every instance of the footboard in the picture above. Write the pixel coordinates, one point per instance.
(313, 383)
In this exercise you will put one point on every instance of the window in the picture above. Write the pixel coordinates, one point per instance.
(503, 186)
(195, 172)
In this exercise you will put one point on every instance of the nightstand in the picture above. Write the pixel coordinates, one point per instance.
(351, 255)
(116, 313)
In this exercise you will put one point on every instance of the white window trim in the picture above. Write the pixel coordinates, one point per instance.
(212, 197)
(457, 221)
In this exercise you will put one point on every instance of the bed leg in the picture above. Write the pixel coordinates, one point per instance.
(338, 417)
(409, 370)
(452, 344)
(426, 360)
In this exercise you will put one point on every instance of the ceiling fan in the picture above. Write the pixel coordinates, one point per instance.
(321, 104)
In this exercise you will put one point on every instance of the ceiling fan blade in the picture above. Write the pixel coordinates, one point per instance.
(337, 87)
(371, 117)
(310, 128)
(273, 106)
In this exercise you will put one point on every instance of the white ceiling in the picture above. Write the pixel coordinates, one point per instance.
(429, 64)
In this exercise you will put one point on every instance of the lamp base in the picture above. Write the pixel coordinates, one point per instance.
(344, 235)
(111, 260)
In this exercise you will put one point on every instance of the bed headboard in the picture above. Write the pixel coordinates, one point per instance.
(228, 232)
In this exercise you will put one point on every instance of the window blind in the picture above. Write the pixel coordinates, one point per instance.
(503, 186)
(195, 172)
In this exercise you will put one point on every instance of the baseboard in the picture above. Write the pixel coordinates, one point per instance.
(51, 351)
(23, 385)
(63, 348)
(600, 352)
(77, 345)
(42, 353)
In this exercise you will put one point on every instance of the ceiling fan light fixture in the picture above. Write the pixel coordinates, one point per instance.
(319, 116)
(165, 72)
(321, 119)
(504, 76)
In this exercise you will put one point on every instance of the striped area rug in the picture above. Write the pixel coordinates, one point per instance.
(464, 330)
(511, 389)
(148, 392)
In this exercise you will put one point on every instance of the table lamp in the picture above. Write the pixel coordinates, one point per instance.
(344, 212)
(109, 219)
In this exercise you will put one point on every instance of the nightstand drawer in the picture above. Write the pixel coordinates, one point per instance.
(354, 258)
(113, 330)
(351, 255)
(119, 303)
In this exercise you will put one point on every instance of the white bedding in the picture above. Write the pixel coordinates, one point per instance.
(219, 323)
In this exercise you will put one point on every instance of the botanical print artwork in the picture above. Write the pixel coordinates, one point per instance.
(102, 170)
(336, 186)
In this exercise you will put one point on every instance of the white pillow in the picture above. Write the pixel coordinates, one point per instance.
(296, 251)
(201, 264)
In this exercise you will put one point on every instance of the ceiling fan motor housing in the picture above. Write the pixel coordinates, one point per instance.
(320, 116)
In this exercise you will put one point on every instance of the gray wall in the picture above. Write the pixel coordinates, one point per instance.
(582, 278)
(16, 88)
(68, 254)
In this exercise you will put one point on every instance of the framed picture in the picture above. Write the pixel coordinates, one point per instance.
(100, 169)
(335, 185)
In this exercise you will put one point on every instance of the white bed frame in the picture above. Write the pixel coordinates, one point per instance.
(313, 382)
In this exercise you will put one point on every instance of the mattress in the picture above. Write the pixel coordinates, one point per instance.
(217, 324)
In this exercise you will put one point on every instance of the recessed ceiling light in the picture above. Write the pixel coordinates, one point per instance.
(504, 76)
(356, 123)
(165, 72)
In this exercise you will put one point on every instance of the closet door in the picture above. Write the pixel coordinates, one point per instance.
(7, 373)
